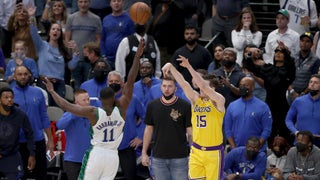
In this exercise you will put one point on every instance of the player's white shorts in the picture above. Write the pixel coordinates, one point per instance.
(99, 164)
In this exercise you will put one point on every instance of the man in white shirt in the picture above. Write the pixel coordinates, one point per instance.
(283, 35)
(303, 14)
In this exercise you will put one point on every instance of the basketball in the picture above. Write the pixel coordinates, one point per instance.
(140, 13)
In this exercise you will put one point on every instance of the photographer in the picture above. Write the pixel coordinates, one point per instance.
(277, 78)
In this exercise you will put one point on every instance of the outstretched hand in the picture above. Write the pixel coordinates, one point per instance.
(31, 10)
(183, 61)
(48, 84)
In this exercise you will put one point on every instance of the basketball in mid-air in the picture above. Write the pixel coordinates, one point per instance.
(140, 13)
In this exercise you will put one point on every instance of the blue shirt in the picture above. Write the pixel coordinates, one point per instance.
(77, 131)
(93, 88)
(32, 102)
(51, 63)
(236, 161)
(304, 114)
(11, 67)
(114, 29)
(2, 60)
(135, 110)
(245, 118)
(142, 91)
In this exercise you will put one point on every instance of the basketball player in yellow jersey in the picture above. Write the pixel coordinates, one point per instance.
(206, 157)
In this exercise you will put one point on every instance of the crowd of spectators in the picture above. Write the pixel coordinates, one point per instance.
(272, 97)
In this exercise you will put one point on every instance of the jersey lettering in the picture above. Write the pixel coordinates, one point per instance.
(201, 121)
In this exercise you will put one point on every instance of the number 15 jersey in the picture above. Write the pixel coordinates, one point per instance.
(206, 123)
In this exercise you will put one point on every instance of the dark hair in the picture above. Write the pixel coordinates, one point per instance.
(191, 26)
(306, 133)
(213, 80)
(248, 46)
(282, 143)
(253, 27)
(5, 89)
(253, 139)
(316, 76)
(93, 47)
(106, 93)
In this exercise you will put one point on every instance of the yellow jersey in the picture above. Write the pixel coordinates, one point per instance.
(206, 123)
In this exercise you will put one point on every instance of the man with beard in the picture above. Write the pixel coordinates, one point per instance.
(303, 159)
(142, 87)
(245, 162)
(99, 81)
(128, 47)
(168, 121)
(230, 75)
(247, 116)
(13, 120)
(31, 100)
(304, 112)
(199, 57)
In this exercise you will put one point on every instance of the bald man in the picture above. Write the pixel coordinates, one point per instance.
(247, 116)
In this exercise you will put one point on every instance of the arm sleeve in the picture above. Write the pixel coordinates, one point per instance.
(238, 39)
(140, 109)
(102, 41)
(43, 110)
(2, 60)
(291, 117)
(267, 123)
(227, 123)
(289, 166)
(313, 14)
(73, 63)
(34, 68)
(257, 38)
(259, 169)
(64, 121)
(37, 41)
(7, 73)
(122, 52)
(158, 61)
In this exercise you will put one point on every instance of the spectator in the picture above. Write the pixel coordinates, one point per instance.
(53, 56)
(19, 28)
(193, 14)
(245, 162)
(155, 92)
(32, 102)
(316, 43)
(142, 88)
(115, 27)
(77, 130)
(167, 129)
(99, 81)
(303, 159)
(247, 116)
(82, 27)
(283, 36)
(225, 18)
(127, 48)
(304, 14)
(307, 63)
(277, 77)
(199, 57)
(277, 160)
(92, 54)
(107, 125)
(15, 120)
(229, 75)
(217, 58)
(54, 12)
(19, 58)
(259, 90)
(303, 113)
(246, 32)
(6, 10)
(208, 109)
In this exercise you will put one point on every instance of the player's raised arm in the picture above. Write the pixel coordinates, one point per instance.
(204, 85)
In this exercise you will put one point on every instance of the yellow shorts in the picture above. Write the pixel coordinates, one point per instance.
(206, 164)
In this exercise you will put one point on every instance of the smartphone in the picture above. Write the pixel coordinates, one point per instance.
(272, 165)
(18, 1)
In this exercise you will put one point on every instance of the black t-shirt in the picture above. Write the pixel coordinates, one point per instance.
(170, 122)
